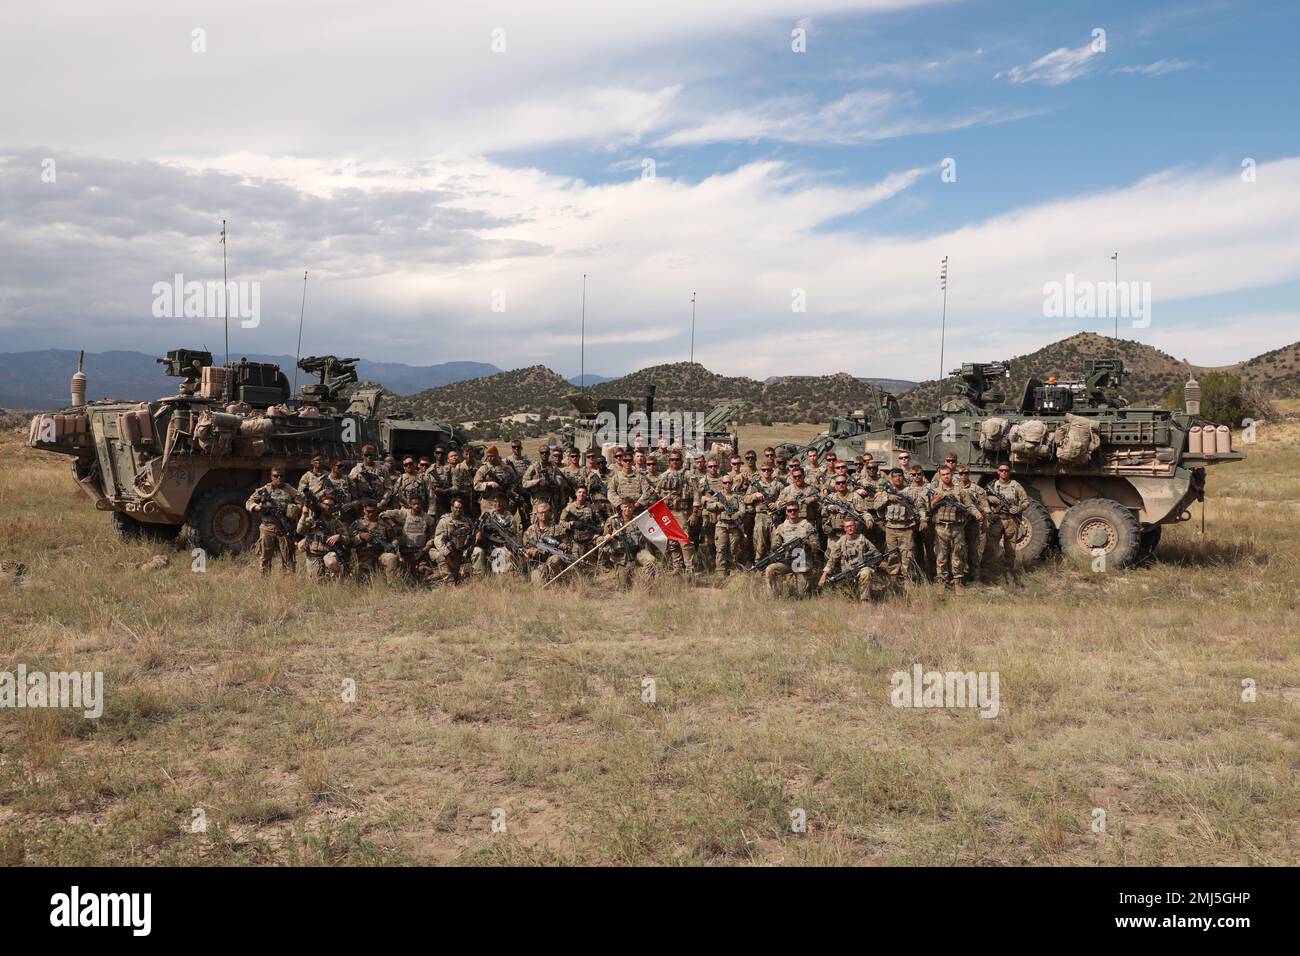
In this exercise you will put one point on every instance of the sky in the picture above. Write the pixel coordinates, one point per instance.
(448, 173)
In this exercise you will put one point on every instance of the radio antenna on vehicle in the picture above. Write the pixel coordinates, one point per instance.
(301, 312)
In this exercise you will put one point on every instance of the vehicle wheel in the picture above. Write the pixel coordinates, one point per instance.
(219, 523)
(1035, 533)
(130, 529)
(1100, 523)
(1147, 545)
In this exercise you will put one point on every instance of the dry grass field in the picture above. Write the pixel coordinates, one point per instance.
(1119, 691)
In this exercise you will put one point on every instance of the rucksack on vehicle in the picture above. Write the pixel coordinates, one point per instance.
(1076, 439)
(993, 434)
(1030, 441)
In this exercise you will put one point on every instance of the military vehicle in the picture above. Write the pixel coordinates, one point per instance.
(1104, 477)
(600, 416)
(189, 461)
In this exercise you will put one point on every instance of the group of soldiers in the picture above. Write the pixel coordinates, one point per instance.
(806, 525)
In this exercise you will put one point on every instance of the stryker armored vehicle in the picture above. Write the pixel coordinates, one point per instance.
(189, 461)
(605, 417)
(1104, 476)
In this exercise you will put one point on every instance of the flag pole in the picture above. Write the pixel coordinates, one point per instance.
(618, 530)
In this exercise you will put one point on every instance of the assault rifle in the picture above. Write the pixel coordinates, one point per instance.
(778, 555)
(1006, 505)
(552, 547)
(842, 507)
(727, 506)
(908, 505)
(950, 501)
(494, 528)
(872, 560)
(271, 506)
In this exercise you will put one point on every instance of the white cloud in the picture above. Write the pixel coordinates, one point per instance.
(1056, 68)
(1158, 68)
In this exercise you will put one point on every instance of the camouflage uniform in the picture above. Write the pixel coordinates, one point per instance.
(598, 491)
(784, 533)
(1003, 523)
(406, 486)
(629, 554)
(630, 485)
(678, 492)
(545, 566)
(763, 520)
(414, 533)
(273, 537)
(315, 482)
(728, 534)
(322, 557)
(544, 483)
(846, 552)
(451, 539)
(368, 481)
(949, 533)
(805, 499)
(976, 533)
(503, 476)
(366, 552)
(581, 524)
(833, 516)
(491, 549)
(903, 525)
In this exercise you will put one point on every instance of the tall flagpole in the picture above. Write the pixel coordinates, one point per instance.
(692, 328)
(301, 313)
(943, 323)
(582, 349)
(225, 291)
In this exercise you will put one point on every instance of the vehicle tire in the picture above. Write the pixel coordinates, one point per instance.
(1101, 523)
(1035, 534)
(129, 529)
(1150, 540)
(219, 523)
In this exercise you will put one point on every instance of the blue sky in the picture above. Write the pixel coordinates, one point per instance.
(423, 177)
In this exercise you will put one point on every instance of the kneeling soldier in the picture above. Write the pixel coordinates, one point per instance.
(626, 551)
(452, 539)
(325, 538)
(800, 535)
(369, 537)
(846, 551)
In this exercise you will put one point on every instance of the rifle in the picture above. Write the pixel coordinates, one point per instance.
(727, 506)
(908, 505)
(1006, 505)
(872, 560)
(495, 528)
(778, 555)
(950, 500)
(277, 512)
(552, 547)
(842, 507)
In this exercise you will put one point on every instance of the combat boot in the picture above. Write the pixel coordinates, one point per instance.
(958, 585)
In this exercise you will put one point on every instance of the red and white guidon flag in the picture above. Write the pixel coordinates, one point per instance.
(659, 526)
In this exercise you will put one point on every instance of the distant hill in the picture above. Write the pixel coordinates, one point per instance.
(40, 380)
(535, 390)
(1148, 372)
(1275, 373)
(588, 379)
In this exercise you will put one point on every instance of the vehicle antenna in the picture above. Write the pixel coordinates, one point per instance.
(301, 312)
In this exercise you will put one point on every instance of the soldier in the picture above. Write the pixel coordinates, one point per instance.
(518, 460)
(906, 514)
(925, 540)
(491, 544)
(799, 532)
(679, 493)
(324, 538)
(728, 514)
(391, 470)
(277, 504)
(597, 483)
(974, 530)
(410, 483)
(652, 469)
(545, 565)
(367, 478)
(452, 539)
(1008, 501)
(708, 486)
(573, 475)
(751, 465)
(739, 480)
(827, 473)
(760, 498)
(493, 480)
(949, 505)
(846, 551)
(629, 483)
(543, 483)
(414, 538)
(369, 538)
(341, 485)
(949, 462)
(905, 463)
(625, 549)
(315, 480)
(439, 480)
(842, 502)
(802, 495)
(782, 468)
(462, 482)
(581, 523)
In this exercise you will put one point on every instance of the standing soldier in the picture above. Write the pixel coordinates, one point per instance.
(440, 480)
(926, 538)
(1008, 501)
(975, 530)
(679, 494)
(761, 498)
(950, 506)
(581, 523)
(316, 479)
(494, 479)
(369, 537)
(452, 539)
(802, 495)
(492, 547)
(906, 516)
(728, 511)
(277, 505)
(410, 483)
(341, 485)
(597, 483)
(847, 550)
(840, 503)
(573, 475)
(543, 483)
(367, 477)
(462, 482)
(626, 550)
(949, 462)
(629, 483)
(796, 531)
(518, 460)
(709, 486)
(324, 538)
